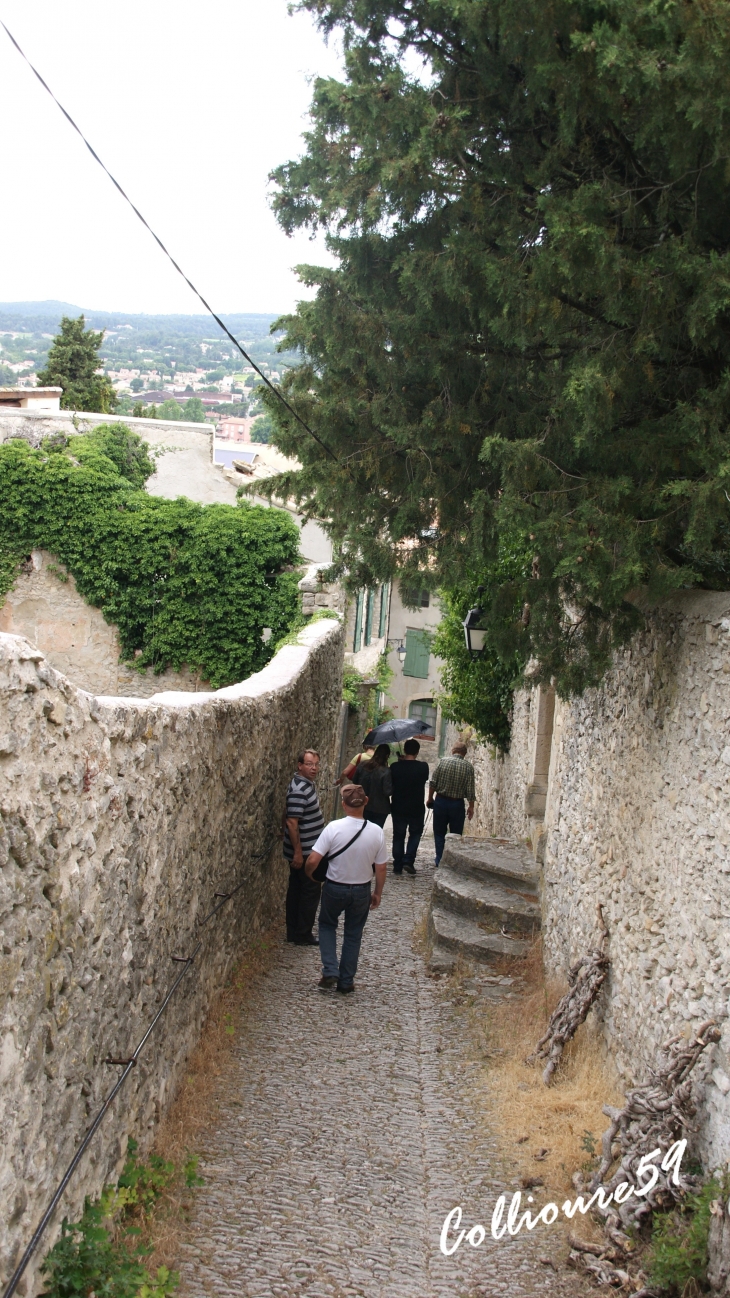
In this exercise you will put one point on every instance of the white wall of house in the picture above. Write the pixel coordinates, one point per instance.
(377, 622)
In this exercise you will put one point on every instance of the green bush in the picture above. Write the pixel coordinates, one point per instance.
(479, 691)
(678, 1250)
(185, 584)
(100, 1255)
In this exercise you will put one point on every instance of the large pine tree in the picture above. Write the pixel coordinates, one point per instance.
(527, 334)
(73, 362)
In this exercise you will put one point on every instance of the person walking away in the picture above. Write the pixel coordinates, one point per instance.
(450, 784)
(354, 847)
(374, 776)
(348, 774)
(303, 824)
(408, 780)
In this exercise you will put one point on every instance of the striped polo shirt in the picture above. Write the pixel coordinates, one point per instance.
(302, 804)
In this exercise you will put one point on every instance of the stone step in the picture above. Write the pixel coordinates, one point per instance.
(493, 906)
(453, 935)
(497, 860)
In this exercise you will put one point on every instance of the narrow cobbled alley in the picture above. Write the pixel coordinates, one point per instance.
(346, 1134)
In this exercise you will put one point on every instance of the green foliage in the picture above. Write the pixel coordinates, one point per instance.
(678, 1250)
(528, 326)
(479, 691)
(146, 1182)
(184, 583)
(117, 443)
(137, 385)
(262, 429)
(194, 411)
(353, 696)
(100, 1254)
(351, 679)
(73, 360)
(170, 410)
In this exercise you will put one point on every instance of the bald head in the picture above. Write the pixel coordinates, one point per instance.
(459, 750)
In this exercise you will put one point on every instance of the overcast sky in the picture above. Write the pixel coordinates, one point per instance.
(190, 106)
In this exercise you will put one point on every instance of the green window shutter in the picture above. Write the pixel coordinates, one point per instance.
(383, 610)
(369, 609)
(357, 638)
(418, 654)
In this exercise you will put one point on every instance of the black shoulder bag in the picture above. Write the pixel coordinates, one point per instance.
(320, 872)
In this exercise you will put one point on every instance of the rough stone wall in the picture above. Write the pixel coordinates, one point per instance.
(638, 818)
(45, 607)
(119, 820)
(502, 780)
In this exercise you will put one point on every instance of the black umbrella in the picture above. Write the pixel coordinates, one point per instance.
(392, 732)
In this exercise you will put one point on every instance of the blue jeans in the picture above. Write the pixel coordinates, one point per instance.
(448, 814)
(354, 900)
(411, 821)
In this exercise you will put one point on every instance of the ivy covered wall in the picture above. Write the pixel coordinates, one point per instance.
(185, 584)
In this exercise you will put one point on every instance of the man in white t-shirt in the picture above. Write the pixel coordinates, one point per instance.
(354, 846)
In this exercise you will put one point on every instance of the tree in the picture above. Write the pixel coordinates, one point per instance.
(527, 335)
(194, 411)
(137, 385)
(73, 362)
(170, 410)
(263, 429)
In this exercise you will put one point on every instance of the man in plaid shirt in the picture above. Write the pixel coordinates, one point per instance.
(452, 782)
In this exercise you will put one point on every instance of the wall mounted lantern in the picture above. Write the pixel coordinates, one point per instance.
(400, 648)
(475, 629)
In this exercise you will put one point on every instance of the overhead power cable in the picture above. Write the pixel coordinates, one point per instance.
(169, 255)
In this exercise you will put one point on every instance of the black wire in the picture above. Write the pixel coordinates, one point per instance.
(129, 1064)
(169, 255)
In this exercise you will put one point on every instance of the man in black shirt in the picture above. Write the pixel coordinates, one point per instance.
(408, 778)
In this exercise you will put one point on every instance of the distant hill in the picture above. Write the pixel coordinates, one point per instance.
(45, 317)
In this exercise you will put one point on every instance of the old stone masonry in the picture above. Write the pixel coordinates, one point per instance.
(346, 1134)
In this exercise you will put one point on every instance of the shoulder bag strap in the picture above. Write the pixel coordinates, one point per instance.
(340, 850)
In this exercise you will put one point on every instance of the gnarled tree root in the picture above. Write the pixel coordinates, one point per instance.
(586, 979)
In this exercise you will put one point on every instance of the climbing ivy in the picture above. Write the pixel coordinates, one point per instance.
(479, 691)
(185, 584)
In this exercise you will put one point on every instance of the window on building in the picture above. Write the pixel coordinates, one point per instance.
(357, 637)
(414, 597)
(383, 622)
(418, 653)
(424, 710)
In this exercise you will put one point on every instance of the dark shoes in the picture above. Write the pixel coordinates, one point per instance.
(306, 941)
(344, 991)
(410, 869)
(327, 984)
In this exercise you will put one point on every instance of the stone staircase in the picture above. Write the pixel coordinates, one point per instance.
(485, 904)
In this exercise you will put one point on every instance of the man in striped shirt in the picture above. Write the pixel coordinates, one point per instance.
(303, 825)
(451, 783)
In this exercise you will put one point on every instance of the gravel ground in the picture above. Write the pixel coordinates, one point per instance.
(346, 1134)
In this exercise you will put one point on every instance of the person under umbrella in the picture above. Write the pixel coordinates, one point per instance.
(374, 777)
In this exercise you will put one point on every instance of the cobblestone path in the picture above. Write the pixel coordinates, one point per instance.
(346, 1135)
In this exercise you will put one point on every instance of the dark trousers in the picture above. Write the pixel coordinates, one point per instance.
(377, 818)
(353, 901)
(448, 815)
(302, 900)
(412, 823)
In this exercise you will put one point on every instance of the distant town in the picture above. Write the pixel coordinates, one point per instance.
(157, 364)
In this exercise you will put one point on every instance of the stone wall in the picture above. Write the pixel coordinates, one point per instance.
(45, 607)
(637, 817)
(119, 820)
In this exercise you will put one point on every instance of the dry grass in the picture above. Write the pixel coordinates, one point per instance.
(195, 1107)
(543, 1130)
